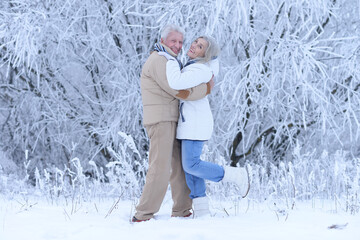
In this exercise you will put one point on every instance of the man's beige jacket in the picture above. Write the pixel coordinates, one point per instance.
(160, 102)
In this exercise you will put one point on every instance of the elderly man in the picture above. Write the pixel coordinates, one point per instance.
(160, 106)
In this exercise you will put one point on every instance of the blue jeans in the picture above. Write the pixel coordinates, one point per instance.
(196, 170)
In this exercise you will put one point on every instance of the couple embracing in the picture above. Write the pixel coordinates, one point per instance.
(178, 120)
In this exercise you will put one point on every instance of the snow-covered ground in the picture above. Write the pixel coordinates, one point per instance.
(34, 218)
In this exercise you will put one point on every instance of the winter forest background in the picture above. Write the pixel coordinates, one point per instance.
(286, 102)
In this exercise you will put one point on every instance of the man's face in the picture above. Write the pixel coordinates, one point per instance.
(174, 41)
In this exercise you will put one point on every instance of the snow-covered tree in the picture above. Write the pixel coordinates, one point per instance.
(69, 79)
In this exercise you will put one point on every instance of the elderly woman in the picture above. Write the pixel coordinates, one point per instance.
(195, 124)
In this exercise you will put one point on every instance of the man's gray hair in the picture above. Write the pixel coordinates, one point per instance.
(171, 28)
(212, 50)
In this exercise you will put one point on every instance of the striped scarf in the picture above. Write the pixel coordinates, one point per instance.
(190, 62)
(160, 48)
(196, 60)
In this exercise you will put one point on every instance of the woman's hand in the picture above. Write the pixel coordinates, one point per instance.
(168, 56)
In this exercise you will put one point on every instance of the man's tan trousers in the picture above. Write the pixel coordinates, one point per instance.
(164, 166)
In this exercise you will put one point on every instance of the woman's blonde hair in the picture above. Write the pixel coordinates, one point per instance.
(212, 50)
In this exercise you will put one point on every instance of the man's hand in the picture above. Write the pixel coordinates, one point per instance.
(168, 56)
(212, 82)
(210, 85)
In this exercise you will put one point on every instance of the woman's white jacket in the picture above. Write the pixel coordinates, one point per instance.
(195, 120)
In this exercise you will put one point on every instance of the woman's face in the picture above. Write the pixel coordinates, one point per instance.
(198, 48)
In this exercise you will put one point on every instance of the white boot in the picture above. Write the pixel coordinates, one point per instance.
(239, 176)
(201, 207)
